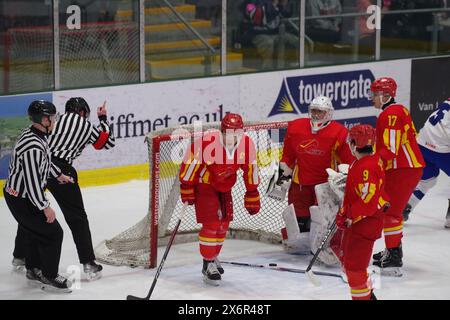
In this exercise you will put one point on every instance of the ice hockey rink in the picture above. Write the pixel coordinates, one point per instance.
(113, 208)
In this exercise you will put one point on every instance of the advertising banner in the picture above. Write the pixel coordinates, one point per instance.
(287, 95)
(13, 120)
(136, 110)
(430, 86)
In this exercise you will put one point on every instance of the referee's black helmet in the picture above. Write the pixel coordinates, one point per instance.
(39, 109)
(78, 105)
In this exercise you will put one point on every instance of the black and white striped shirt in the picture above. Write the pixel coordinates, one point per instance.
(29, 168)
(72, 133)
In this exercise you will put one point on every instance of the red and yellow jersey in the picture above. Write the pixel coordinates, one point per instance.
(208, 161)
(396, 139)
(311, 153)
(364, 190)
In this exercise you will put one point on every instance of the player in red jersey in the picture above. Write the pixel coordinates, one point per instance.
(311, 145)
(361, 215)
(403, 162)
(207, 175)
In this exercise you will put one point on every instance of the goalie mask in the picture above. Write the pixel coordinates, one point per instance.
(320, 112)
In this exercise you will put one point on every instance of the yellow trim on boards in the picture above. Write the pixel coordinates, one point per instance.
(105, 176)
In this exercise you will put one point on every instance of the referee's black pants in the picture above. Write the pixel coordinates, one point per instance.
(40, 242)
(70, 201)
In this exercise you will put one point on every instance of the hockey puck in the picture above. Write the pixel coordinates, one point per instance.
(272, 264)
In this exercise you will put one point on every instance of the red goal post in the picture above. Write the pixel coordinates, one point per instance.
(137, 245)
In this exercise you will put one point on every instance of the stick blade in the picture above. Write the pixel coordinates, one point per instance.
(130, 297)
(312, 277)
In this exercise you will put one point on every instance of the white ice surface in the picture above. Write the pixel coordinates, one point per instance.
(113, 208)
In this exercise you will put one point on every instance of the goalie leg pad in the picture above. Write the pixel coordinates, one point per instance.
(294, 242)
(298, 245)
(290, 221)
(322, 216)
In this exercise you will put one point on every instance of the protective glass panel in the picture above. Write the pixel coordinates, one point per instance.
(182, 38)
(103, 47)
(26, 46)
(405, 33)
(339, 32)
(262, 35)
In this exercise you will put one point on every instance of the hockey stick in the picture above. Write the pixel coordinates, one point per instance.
(161, 264)
(274, 266)
(308, 270)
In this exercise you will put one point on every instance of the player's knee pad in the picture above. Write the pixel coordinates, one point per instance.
(357, 278)
(392, 221)
(208, 240)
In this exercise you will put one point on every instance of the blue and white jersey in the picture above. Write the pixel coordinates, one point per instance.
(435, 135)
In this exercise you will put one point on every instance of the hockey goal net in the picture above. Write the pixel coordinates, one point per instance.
(137, 246)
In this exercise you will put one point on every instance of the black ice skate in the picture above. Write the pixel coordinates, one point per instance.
(373, 296)
(59, 284)
(219, 266)
(379, 255)
(34, 277)
(406, 212)
(92, 270)
(391, 262)
(18, 263)
(210, 273)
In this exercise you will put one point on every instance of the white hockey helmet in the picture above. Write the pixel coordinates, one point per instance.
(319, 121)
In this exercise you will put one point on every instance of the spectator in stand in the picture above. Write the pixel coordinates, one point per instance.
(326, 29)
(268, 32)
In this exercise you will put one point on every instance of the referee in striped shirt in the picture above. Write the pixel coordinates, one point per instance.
(72, 133)
(29, 168)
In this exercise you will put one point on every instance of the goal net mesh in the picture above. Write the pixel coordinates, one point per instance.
(136, 246)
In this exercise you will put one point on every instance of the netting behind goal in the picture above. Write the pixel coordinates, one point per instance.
(137, 246)
(95, 54)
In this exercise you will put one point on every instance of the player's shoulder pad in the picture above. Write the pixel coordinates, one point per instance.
(397, 108)
(298, 121)
(298, 124)
(338, 125)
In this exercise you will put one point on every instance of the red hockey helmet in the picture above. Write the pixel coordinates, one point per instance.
(362, 135)
(385, 85)
(232, 121)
